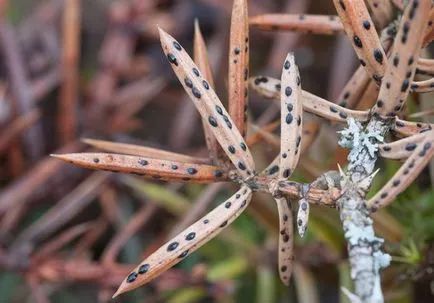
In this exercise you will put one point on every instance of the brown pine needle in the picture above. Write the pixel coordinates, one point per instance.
(68, 97)
(291, 117)
(188, 241)
(425, 86)
(407, 128)
(208, 105)
(382, 12)
(315, 24)
(270, 88)
(401, 149)
(360, 30)
(256, 137)
(203, 63)
(143, 151)
(402, 62)
(16, 127)
(59, 241)
(429, 30)
(425, 113)
(239, 65)
(425, 67)
(411, 168)
(268, 137)
(286, 239)
(147, 167)
(353, 90)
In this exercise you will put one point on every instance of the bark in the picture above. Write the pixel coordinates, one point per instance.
(365, 256)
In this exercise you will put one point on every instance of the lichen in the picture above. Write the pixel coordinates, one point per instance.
(359, 139)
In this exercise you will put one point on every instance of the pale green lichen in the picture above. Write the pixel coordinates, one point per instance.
(359, 139)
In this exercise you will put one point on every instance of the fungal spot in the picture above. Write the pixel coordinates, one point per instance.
(377, 78)
(95, 160)
(342, 4)
(366, 24)
(298, 140)
(259, 80)
(304, 206)
(288, 119)
(288, 91)
(218, 173)
(383, 195)
(285, 238)
(237, 196)
(387, 148)
(143, 269)
(132, 277)
(172, 59)
(212, 121)
(231, 149)
(174, 166)
(237, 50)
(298, 120)
(299, 222)
(205, 84)
(283, 268)
(206, 221)
(278, 87)
(343, 115)
(395, 61)
(378, 55)
(388, 85)
(177, 45)
(246, 74)
(396, 183)
(196, 92)
(219, 109)
(143, 162)
(190, 236)
(404, 85)
(357, 42)
(298, 80)
(287, 65)
(410, 146)
(286, 173)
(362, 62)
(380, 103)
(241, 165)
(196, 71)
(273, 170)
(410, 60)
(223, 224)
(285, 218)
(333, 109)
(290, 107)
(188, 82)
(183, 255)
(228, 204)
(191, 171)
(228, 123)
(172, 246)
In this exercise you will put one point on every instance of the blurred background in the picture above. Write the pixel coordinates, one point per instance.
(73, 69)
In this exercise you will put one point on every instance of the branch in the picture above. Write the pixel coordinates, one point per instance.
(364, 252)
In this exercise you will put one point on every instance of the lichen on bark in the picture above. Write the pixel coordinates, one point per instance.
(364, 248)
